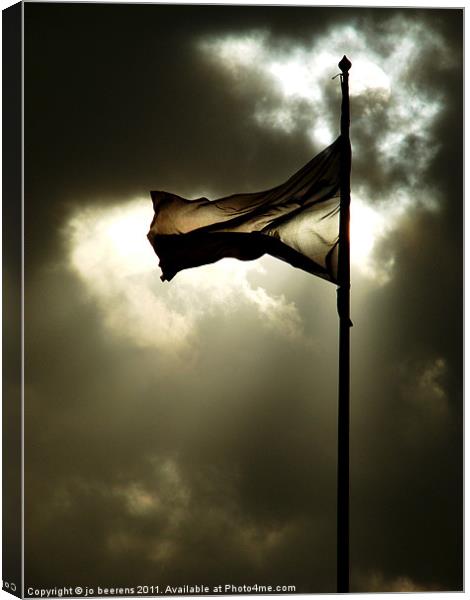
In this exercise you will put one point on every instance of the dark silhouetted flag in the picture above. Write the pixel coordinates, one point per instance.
(297, 222)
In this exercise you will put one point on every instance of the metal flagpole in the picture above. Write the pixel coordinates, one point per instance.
(342, 535)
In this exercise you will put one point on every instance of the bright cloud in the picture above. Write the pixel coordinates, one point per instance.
(371, 223)
(298, 86)
(109, 251)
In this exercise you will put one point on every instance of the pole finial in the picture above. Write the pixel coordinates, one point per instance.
(344, 64)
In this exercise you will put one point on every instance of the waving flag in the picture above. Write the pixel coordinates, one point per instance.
(297, 222)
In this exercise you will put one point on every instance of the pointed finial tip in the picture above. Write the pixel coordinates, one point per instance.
(344, 64)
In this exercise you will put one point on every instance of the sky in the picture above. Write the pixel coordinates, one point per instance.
(185, 432)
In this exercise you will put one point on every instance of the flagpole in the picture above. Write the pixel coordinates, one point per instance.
(342, 572)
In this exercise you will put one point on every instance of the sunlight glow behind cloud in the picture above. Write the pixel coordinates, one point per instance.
(370, 223)
(108, 247)
(297, 100)
(109, 251)
(298, 75)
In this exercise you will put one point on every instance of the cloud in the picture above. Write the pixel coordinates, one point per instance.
(299, 77)
(378, 582)
(425, 400)
(109, 252)
(392, 114)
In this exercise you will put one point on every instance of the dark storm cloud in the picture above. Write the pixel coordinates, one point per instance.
(217, 463)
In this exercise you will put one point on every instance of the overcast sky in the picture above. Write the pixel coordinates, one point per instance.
(185, 432)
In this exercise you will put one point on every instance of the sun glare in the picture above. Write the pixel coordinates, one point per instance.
(366, 224)
(296, 77)
(369, 76)
(114, 236)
